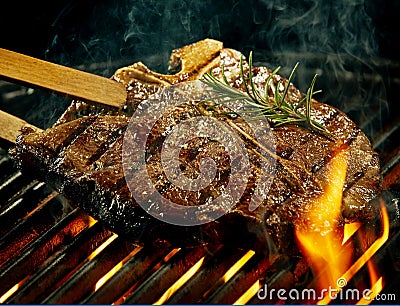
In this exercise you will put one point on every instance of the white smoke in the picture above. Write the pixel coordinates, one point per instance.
(335, 39)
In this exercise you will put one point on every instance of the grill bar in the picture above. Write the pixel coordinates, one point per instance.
(30, 228)
(81, 284)
(55, 259)
(163, 278)
(11, 185)
(19, 206)
(240, 282)
(49, 277)
(278, 276)
(128, 277)
(37, 252)
(209, 277)
(46, 247)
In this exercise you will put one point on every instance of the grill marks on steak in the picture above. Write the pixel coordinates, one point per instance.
(83, 159)
(314, 151)
(99, 186)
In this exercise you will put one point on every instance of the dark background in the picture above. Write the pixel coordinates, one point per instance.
(31, 26)
(352, 44)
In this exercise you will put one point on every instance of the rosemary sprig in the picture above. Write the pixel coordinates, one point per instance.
(279, 109)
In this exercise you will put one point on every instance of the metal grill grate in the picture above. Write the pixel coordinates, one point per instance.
(53, 253)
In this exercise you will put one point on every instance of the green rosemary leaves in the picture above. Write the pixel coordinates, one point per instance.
(279, 109)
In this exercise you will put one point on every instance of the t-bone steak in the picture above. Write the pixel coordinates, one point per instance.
(81, 157)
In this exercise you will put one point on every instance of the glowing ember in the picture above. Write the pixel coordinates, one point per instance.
(11, 291)
(42, 203)
(115, 269)
(372, 272)
(91, 221)
(236, 267)
(349, 230)
(107, 276)
(180, 282)
(102, 247)
(320, 244)
(171, 254)
(252, 291)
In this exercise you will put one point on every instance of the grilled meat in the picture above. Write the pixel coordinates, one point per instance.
(82, 158)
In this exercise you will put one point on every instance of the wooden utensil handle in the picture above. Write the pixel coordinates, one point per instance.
(12, 126)
(74, 83)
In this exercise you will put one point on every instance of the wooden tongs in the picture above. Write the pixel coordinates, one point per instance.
(74, 83)
(33, 72)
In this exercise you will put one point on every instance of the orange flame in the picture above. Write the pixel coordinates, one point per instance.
(321, 245)
(365, 257)
(372, 272)
(91, 221)
(377, 285)
(107, 276)
(373, 292)
(372, 249)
